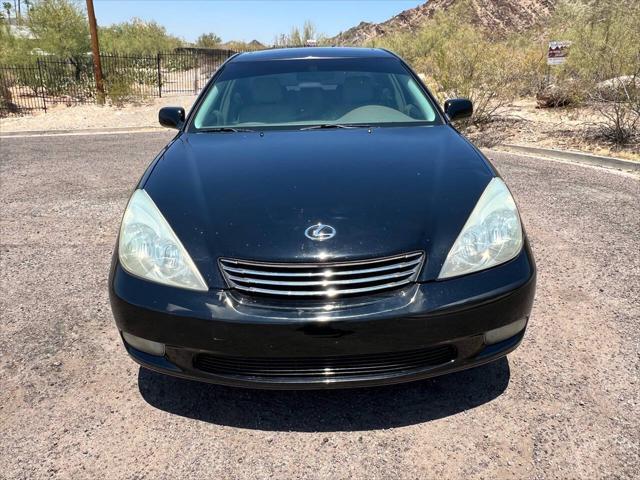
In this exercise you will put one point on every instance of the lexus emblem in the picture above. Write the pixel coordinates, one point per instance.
(320, 232)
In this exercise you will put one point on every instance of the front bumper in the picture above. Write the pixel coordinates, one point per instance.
(421, 331)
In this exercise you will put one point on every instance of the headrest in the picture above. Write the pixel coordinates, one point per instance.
(358, 90)
(266, 90)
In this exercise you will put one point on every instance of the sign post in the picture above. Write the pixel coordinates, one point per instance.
(558, 52)
(556, 55)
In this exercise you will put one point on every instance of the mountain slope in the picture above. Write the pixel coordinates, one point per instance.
(499, 16)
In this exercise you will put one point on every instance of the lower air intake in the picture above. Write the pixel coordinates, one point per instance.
(325, 367)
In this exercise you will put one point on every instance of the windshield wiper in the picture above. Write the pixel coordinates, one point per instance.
(334, 125)
(225, 129)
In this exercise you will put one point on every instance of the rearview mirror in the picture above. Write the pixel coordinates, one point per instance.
(458, 108)
(171, 117)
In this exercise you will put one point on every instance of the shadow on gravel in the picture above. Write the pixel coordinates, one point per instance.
(327, 410)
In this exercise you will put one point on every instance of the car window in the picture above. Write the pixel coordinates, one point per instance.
(299, 93)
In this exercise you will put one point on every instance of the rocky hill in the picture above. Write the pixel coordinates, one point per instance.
(239, 46)
(499, 16)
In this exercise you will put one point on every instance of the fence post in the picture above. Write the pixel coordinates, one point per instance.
(196, 75)
(44, 98)
(159, 76)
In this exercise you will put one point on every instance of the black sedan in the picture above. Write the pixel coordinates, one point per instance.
(318, 222)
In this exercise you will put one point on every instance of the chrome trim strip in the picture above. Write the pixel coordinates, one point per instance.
(322, 274)
(324, 283)
(324, 293)
(322, 264)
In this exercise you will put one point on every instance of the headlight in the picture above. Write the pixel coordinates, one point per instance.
(491, 236)
(149, 249)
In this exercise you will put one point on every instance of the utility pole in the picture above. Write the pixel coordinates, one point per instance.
(95, 49)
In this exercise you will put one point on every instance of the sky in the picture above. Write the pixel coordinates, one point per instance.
(249, 19)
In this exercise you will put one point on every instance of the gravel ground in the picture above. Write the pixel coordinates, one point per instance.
(73, 406)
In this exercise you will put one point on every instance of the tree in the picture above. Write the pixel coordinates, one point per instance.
(60, 27)
(137, 37)
(298, 37)
(208, 40)
(12, 49)
(7, 8)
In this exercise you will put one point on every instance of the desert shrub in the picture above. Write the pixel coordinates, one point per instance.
(567, 92)
(208, 40)
(469, 66)
(460, 60)
(299, 36)
(137, 37)
(128, 78)
(529, 56)
(136, 70)
(603, 66)
(120, 91)
(51, 77)
(617, 103)
(58, 78)
(605, 38)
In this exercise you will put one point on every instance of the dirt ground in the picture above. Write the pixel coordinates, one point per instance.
(567, 128)
(564, 405)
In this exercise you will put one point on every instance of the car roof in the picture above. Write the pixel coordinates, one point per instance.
(311, 52)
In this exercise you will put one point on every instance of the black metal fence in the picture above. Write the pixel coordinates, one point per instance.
(48, 81)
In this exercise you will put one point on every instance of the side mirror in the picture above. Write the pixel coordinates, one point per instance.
(458, 108)
(171, 117)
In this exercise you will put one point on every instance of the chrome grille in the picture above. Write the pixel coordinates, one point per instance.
(322, 279)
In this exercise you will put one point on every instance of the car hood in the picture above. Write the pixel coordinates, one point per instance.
(252, 196)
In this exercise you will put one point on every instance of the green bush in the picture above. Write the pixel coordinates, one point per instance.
(127, 79)
(603, 68)
(605, 38)
(60, 28)
(13, 50)
(137, 37)
(208, 40)
(460, 60)
(120, 91)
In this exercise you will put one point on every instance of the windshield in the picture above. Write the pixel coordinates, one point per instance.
(303, 93)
